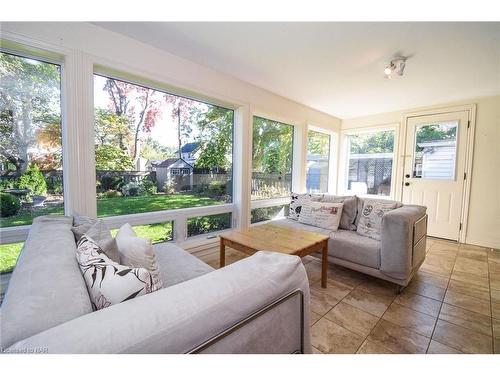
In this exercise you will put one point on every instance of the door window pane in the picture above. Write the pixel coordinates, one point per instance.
(272, 157)
(207, 224)
(156, 151)
(31, 170)
(435, 151)
(370, 157)
(318, 156)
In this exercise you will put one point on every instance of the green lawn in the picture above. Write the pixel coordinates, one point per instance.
(110, 207)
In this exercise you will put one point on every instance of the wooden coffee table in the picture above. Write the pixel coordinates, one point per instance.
(281, 239)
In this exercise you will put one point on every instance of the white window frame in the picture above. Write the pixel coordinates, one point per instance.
(344, 159)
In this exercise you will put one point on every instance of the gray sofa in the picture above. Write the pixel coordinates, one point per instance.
(395, 258)
(257, 305)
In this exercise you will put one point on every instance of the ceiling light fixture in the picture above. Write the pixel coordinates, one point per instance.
(397, 65)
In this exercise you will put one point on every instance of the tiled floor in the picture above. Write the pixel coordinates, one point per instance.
(451, 306)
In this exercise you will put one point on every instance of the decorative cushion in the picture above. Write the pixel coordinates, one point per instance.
(348, 211)
(99, 232)
(370, 222)
(108, 282)
(298, 200)
(320, 214)
(138, 252)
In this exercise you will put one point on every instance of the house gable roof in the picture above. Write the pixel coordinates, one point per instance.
(190, 147)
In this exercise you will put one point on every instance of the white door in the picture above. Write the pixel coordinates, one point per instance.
(434, 169)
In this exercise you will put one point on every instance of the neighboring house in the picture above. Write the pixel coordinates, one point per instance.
(190, 152)
(175, 170)
(436, 160)
(152, 164)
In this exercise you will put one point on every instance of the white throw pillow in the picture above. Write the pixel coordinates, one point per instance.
(321, 214)
(138, 252)
(108, 282)
(298, 200)
(370, 222)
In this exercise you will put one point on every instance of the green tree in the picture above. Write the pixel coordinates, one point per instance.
(111, 158)
(215, 137)
(372, 143)
(318, 143)
(435, 132)
(112, 129)
(272, 146)
(29, 100)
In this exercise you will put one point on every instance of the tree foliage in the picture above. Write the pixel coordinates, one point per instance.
(111, 158)
(318, 143)
(272, 146)
(372, 143)
(29, 102)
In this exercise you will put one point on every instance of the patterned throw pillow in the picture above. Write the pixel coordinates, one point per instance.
(348, 211)
(370, 222)
(298, 200)
(322, 215)
(108, 282)
(138, 252)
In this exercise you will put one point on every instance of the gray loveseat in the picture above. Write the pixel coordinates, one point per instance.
(257, 305)
(395, 258)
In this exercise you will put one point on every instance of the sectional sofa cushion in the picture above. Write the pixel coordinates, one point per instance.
(99, 232)
(177, 265)
(349, 210)
(349, 246)
(370, 223)
(46, 288)
(138, 253)
(321, 214)
(108, 282)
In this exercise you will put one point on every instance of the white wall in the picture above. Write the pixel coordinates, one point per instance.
(484, 207)
(84, 48)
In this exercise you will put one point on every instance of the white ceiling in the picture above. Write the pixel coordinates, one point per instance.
(338, 67)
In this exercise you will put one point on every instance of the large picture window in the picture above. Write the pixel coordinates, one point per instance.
(31, 173)
(272, 156)
(369, 162)
(318, 162)
(157, 151)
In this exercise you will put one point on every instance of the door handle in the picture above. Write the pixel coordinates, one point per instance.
(407, 184)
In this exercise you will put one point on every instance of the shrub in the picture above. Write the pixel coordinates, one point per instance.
(110, 183)
(7, 183)
(33, 180)
(216, 189)
(111, 194)
(133, 189)
(9, 204)
(149, 186)
(169, 187)
(54, 186)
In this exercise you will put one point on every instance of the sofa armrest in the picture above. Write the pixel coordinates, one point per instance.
(397, 240)
(182, 317)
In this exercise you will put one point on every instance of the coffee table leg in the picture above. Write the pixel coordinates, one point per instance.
(324, 265)
(222, 248)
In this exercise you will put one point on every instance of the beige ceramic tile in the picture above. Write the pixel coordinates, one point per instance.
(465, 318)
(370, 347)
(480, 292)
(314, 317)
(479, 254)
(463, 339)
(353, 319)
(316, 351)
(438, 265)
(329, 337)
(473, 280)
(426, 290)
(313, 270)
(419, 303)
(370, 303)
(398, 339)
(418, 322)
(467, 302)
(345, 276)
(438, 348)
(321, 301)
(475, 267)
(495, 310)
(379, 287)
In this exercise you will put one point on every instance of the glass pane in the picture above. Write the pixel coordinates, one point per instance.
(158, 232)
(31, 171)
(206, 224)
(271, 159)
(318, 155)
(269, 213)
(370, 163)
(8, 256)
(156, 151)
(435, 151)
